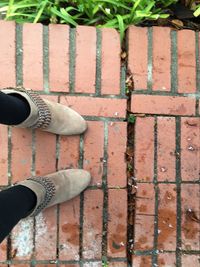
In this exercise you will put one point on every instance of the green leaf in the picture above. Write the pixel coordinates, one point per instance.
(121, 27)
(197, 12)
(66, 18)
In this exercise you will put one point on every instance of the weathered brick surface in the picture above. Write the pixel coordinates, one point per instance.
(85, 70)
(144, 220)
(145, 199)
(117, 231)
(141, 261)
(110, 66)
(59, 58)
(167, 217)
(190, 195)
(89, 106)
(46, 235)
(68, 152)
(116, 168)
(21, 165)
(186, 61)
(7, 56)
(167, 259)
(190, 149)
(22, 240)
(165, 105)
(138, 56)
(161, 59)
(32, 56)
(92, 224)
(117, 264)
(93, 154)
(69, 230)
(166, 147)
(144, 149)
(190, 260)
(166, 150)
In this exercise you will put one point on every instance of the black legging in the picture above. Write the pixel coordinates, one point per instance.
(15, 202)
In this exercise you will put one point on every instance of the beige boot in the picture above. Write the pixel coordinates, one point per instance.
(49, 116)
(57, 187)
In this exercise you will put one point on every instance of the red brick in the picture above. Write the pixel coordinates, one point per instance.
(22, 240)
(7, 56)
(21, 155)
(167, 260)
(166, 105)
(94, 151)
(45, 157)
(59, 58)
(32, 56)
(141, 261)
(20, 265)
(190, 195)
(69, 230)
(90, 106)
(161, 59)
(117, 264)
(144, 149)
(85, 70)
(167, 217)
(47, 265)
(186, 61)
(190, 149)
(46, 235)
(145, 203)
(92, 226)
(68, 265)
(117, 223)
(190, 260)
(166, 146)
(138, 56)
(116, 169)
(4, 155)
(110, 62)
(3, 250)
(69, 152)
(92, 264)
(144, 232)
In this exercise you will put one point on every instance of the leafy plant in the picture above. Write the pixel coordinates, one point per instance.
(118, 14)
(131, 118)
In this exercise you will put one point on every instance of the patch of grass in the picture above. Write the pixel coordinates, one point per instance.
(118, 14)
(104, 262)
(131, 118)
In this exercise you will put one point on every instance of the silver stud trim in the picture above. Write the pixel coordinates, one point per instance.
(50, 191)
(43, 110)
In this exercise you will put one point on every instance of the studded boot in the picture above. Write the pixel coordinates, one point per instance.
(49, 116)
(56, 188)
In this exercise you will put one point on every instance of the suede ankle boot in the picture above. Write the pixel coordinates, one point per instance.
(56, 188)
(49, 116)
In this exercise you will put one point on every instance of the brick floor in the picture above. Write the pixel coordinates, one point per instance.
(165, 103)
(81, 68)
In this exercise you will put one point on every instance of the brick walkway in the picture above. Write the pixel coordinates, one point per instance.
(82, 69)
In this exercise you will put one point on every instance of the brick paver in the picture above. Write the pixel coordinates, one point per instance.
(71, 67)
(81, 68)
(166, 145)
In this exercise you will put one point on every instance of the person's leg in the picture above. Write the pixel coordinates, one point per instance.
(31, 196)
(15, 203)
(14, 109)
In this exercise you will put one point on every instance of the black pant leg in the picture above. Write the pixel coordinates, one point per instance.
(14, 109)
(15, 203)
